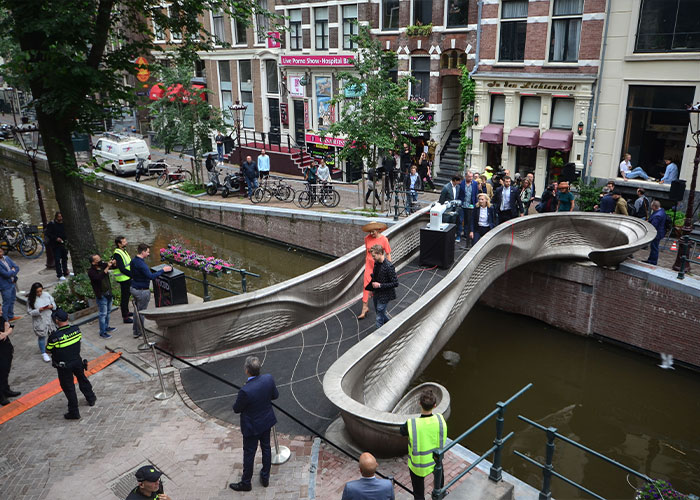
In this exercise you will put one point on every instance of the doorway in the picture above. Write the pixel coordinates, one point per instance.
(273, 105)
(299, 128)
(525, 160)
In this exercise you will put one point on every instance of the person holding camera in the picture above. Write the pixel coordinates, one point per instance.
(102, 286)
(8, 289)
(150, 485)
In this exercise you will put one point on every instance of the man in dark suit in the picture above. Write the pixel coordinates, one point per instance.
(254, 403)
(506, 201)
(369, 487)
(468, 191)
(450, 192)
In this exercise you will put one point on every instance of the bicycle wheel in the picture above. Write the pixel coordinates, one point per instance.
(185, 176)
(282, 193)
(267, 194)
(334, 199)
(258, 195)
(28, 247)
(5, 245)
(291, 194)
(305, 199)
(162, 179)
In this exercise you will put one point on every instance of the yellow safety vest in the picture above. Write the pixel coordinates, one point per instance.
(426, 435)
(126, 259)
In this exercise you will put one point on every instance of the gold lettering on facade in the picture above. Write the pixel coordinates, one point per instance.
(532, 85)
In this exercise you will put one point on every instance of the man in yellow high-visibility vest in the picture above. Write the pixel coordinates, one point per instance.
(426, 434)
(123, 276)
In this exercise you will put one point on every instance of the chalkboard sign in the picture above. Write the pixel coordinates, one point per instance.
(169, 289)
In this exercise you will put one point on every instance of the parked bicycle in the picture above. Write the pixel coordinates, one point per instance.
(280, 189)
(321, 193)
(148, 168)
(172, 175)
(21, 237)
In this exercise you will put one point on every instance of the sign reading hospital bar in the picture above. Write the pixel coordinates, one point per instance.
(326, 141)
(316, 60)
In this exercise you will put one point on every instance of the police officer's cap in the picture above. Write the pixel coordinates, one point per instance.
(60, 315)
(148, 473)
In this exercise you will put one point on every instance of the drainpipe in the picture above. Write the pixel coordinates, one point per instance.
(590, 142)
(480, 5)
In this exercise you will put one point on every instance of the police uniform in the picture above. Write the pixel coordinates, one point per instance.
(150, 474)
(64, 347)
(426, 434)
(6, 350)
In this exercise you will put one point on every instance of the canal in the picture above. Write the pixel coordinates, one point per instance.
(111, 216)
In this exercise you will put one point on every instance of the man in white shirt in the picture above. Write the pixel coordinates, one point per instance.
(627, 172)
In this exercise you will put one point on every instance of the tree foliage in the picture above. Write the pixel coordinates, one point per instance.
(382, 112)
(468, 95)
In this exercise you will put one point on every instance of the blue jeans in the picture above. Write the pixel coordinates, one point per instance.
(654, 251)
(42, 344)
(104, 304)
(8, 302)
(637, 172)
(252, 184)
(380, 308)
(411, 198)
(220, 152)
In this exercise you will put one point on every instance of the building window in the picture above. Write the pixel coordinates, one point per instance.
(498, 109)
(422, 12)
(262, 22)
(457, 11)
(225, 87)
(295, 40)
(513, 30)
(349, 25)
(240, 32)
(668, 26)
(566, 30)
(394, 74)
(200, 70)
(158, 31)
(217, 23)
(245, 79)
(390, 14)
(273, 86)
(530, 111)
(321, 24)
(562, 113)
(174, 36)
(420, 70)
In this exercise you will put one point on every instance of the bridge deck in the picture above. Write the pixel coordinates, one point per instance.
(298, 363)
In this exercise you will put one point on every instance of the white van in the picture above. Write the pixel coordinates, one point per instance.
(121, 152)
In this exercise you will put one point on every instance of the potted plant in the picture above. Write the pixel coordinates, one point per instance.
(556, 163)
(657, 490)
(419, 29)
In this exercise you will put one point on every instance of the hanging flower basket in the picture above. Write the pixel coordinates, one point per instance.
(176, 254)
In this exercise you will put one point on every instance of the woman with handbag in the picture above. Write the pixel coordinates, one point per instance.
(40, 305)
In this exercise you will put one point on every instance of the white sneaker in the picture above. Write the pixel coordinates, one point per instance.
(46, 357)
(62, 278)
(71, 274)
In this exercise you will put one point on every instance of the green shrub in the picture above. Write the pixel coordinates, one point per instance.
(190, 187)
(419, 30)
(587, 195)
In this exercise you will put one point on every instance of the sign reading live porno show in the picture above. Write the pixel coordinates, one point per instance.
(327, 141)
(316, 60)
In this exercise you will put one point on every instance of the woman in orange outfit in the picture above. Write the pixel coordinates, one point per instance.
(375, 237)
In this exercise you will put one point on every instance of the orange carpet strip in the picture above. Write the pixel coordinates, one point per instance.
(30, 400)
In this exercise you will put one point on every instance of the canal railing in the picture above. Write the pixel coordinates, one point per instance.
(244, 273)
(687, 253)
(496, 472)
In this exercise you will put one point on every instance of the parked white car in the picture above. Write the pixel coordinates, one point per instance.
(121, 152)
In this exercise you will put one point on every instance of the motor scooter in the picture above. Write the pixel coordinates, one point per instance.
(215, 184)
(232, 182)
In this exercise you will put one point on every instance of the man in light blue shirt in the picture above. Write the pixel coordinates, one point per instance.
(671, 173)
(263, 165)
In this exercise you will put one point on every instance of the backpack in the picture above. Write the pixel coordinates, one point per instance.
(668, 226)
(631, 210)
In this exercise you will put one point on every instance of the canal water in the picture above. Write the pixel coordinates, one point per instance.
(111, 216)
(612, 400)
(615, 401)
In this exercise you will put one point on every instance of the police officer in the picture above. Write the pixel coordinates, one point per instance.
(64, 347)
(150, 485)
(123, 276)
(426, 434)
(6, 351)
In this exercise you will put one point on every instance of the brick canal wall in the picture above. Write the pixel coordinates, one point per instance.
(329, 234)
(637, 306)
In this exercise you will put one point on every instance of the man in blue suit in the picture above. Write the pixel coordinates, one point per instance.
(468, 191)
(8, 278)
(369, 487)
(254, 403)
(506, 201)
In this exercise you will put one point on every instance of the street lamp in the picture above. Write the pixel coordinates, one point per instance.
(238, 111)
(694, 119)
(27, 135)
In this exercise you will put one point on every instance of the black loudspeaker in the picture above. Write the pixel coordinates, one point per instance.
(568, 173)
(677, 190)
(170, 288)
(437, 248)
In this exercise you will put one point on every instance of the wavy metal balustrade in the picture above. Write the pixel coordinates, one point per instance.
(368, 382)
(201, 331)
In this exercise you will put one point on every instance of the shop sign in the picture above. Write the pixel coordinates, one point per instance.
(306, 116)
(296, 89)
(355, 90)
(327, 141)
(273, 40)
(317, 60)
(142, 73)
(320, 151)
(531, 85)
(284, 113)
(324, 109)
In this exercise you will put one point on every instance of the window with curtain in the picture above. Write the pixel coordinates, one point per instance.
(273, 86)
(390, 14)
(218, 27)
(566, 30)
(321, 27)
(457, 11)
(158, 31)
(530, 111)
(295, 40)
(174, 36)
(668, 26)
(240, 32)
(422, 11)
(498, 109)
(245, 79)
(349, 25)
(513, 30)
(262, 22)
(562, 113)
(225, 86)
(420, 70)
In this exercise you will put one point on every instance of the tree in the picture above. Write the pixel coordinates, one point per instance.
(182, 117)
(73, 57)
(375, 111)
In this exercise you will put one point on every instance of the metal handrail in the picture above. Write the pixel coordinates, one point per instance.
(496, 472)
(548, 468)
(265, 140)
(685, 251)
(447, 129)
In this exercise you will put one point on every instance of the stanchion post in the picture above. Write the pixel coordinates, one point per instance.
(139, 327)
(546, 493)
(396, 201)
(163, 394)
(438, 478)
(282, 453)
(205, 284)
(495, 474)
(244, 281)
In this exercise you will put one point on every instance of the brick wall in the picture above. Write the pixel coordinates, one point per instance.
(637, 309)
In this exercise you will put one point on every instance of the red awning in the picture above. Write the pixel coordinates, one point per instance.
(492, 134)
(526, 137)
(557, 139)
(175, 91)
